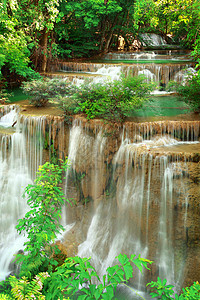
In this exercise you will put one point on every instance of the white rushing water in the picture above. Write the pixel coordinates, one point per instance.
(99, 72)
(21, 152)
(148, 74)
(102, 75)
(122, 221)
(149, 55)
(14, 177)
(152, 39)
(134, 192)
(9, 119)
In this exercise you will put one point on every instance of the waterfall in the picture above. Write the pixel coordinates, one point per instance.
(20, 155)
(152, 39)
(158, 72)
(175, 55)
(137, 212)
(148, 74)
(14, 177)
(135, 188)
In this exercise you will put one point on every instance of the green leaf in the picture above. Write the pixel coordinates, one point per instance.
(82, 297)
(109, 293)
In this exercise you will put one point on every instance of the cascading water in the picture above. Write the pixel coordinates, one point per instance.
(159, 72)
(136, 210)
(152, 39)
(102, 75)
(138, 191)
(149, 55)
(14, 176)
(148, 74)
(140, 185)
(159, 66)
(20, 155)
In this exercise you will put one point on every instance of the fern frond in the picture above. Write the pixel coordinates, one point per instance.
(23, 289)
(31, 267)
(5, 297)
(36, 285)
(19, 287)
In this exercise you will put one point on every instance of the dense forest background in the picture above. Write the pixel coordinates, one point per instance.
(34, 34)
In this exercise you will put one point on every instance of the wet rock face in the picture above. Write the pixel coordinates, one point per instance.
(181, 130)
(140, 183)
(147, 184)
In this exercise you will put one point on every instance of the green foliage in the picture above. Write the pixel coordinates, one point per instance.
(86, 25)
(78, 271)
(190, 293)
(179, 18)
(5, 287)
(189, 91)
(144, 13)
(4, 96)
(5, 297)
(75, 278)
(68, 103)
(24, 34)
(196, 52)
(14, 52)
(113, 100)
(23, 289)
(44, 90)
(40, 31)
(161, 290)
(41, 222)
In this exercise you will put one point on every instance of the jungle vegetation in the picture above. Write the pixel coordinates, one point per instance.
(109, 100)
(34, 34)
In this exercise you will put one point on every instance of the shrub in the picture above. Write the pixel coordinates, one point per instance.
(110, 100)
(44, 90)
(41, 222)
(4, 96)
(75, 278)
(189, 91)
(113, 100)
(190, 293)
(160, 290)
(14, 52)
(69, 106)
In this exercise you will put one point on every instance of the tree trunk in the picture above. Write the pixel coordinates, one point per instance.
(44, 53)
(108, 40)
(110, 35)
(103, 30)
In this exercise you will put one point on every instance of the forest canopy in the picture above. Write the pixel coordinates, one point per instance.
(34, 34)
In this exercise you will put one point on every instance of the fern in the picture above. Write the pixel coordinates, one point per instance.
(29, 268)
(5, 297)
(23, 289)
